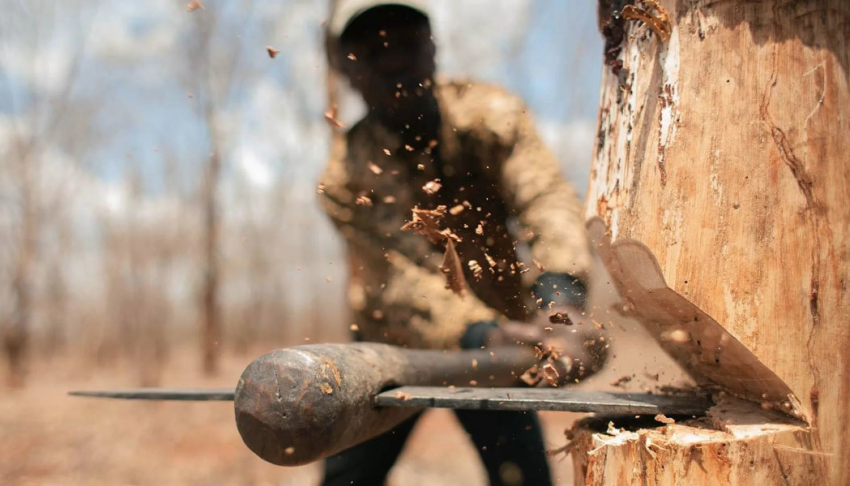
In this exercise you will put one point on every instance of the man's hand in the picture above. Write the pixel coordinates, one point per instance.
(549, 326)
(570, 346)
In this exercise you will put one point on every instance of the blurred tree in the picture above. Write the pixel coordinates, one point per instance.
(39, 67)
(216, 74)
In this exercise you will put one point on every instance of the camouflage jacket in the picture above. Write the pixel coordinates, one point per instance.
(509, 205)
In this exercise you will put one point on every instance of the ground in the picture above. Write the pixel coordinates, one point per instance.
(49, 438)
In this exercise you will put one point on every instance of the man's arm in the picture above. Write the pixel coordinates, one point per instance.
(531, 183)
(545, 204)
(412, 298)
(547, 207)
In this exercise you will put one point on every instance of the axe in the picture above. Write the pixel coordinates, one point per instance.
(301, 404)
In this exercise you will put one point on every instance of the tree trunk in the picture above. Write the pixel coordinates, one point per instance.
(718, 195)
(211, 327)
(16, 339)
(737, 444)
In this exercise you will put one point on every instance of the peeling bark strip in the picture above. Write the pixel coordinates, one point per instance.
(720, 149)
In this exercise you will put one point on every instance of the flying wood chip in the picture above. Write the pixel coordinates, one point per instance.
(664, 419)
(539, 265)
(331, 116)
(551, 374)
(374, 168)
(272, 51)
(531, 377)
(452, 268)
(432, 187)
(426, 222)
(194, 5)
(560, 318)
(477, 271)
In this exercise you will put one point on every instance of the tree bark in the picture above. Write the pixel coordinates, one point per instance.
(722, 176)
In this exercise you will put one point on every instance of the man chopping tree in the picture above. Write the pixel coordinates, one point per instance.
(439, 191)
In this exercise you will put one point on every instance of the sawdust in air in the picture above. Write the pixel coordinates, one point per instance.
(427, 222)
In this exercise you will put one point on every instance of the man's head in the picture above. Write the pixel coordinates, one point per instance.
(386, 51)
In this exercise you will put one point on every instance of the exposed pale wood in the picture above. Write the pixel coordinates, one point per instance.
(724, 155)
(739, 445)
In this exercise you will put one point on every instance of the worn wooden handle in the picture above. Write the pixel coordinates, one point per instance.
(298, 405)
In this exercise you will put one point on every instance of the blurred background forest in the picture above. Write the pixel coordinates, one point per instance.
(158, 167)
(158, 216)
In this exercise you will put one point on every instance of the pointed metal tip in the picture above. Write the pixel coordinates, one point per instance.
(180, 394)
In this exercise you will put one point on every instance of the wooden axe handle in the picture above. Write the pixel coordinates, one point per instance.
(298, 405)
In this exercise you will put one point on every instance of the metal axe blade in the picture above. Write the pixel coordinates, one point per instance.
(468, 398)
(539, 399)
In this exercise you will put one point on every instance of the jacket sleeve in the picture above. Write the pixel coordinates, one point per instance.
(544, 202)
